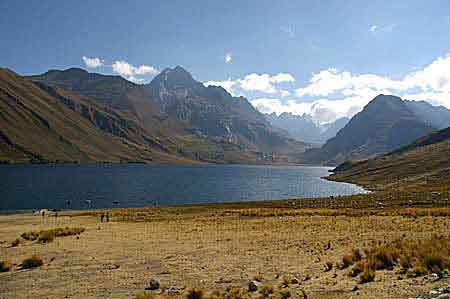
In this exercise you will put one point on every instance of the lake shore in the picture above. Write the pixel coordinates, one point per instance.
(215, 246)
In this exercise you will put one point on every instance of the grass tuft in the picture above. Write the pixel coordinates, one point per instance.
(194, 293)
(5, 266)
(47, 236)
(32, 262)
(413, 257)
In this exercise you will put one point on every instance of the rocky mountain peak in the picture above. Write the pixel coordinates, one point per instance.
(174, 78)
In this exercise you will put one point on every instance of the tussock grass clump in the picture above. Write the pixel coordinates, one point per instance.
(47, 236)
(144, 295)
(266, 291)
(367, 275)
(32, 262)
(194, 293)
(30, 236)
(15, 243)
(237, 293)
(5, 266)
(258, 277)
(328, 266)
(414, 257)
(349, 259)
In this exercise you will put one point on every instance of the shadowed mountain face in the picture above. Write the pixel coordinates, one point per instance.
(436, 116)
(303, 128)
(385, 124)
(173, 115)
(40, 123)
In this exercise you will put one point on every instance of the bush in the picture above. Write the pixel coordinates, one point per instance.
(32, 262)
(5, 266)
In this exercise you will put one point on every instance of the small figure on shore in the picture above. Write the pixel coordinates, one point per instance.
(56, 214)
(107, 217)
(102, 217)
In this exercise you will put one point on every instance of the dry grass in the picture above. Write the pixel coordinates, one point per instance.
(215, 248)
(194, 293)
(265, 291)
(15, 243)
(47, 236)
(5, 266)
(413, 257)
(32, 262)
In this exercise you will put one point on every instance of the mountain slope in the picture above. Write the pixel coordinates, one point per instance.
(41, 124)
(174, 114)
(385, 124)
(436, 116)
(423, 163)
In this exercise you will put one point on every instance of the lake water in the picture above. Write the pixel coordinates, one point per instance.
(136, 185)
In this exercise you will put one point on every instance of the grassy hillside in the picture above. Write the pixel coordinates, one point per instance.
(424, 164)
(39, 125)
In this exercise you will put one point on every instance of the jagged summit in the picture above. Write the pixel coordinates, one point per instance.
(174, 78)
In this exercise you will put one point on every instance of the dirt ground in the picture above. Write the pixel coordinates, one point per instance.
(209, 248)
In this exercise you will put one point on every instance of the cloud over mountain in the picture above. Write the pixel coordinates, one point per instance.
(331, 93)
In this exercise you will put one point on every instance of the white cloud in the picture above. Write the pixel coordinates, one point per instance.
(129, 71)
(332, 94)
(264, 82)
(227, 84)
(284, 93)
(321, 110)
(383, 28)
(228, 57)
(93, 62)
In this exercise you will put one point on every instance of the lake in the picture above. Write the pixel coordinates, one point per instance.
(136, 185)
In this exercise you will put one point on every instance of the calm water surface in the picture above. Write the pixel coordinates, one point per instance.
(129, 185)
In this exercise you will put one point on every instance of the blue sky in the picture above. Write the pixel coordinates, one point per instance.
(268, 51)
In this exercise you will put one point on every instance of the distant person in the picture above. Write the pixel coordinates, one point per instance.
(102, 217)
(107, 217)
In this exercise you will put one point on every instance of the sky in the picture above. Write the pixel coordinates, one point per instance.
(323, 58)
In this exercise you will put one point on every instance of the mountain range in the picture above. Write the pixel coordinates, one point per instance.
(76, 116)
(303, 128)
(385, 124)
